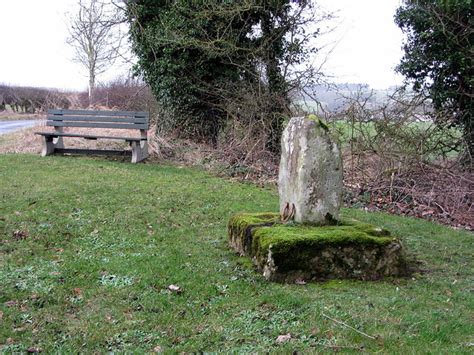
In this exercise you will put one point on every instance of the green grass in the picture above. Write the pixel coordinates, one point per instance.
(89, 247)
(424, 139)
(347, 130)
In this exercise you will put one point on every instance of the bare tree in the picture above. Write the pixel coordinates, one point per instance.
(95, 36)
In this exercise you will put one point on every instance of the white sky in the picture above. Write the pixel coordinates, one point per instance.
(367, 44)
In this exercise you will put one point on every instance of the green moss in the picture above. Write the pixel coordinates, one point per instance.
(348, 249)
(240, 228)
(282, 238)
(244, 220)
(266, 231)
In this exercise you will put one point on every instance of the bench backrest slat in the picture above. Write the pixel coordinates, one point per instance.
(99, 113)
(97, 125)
(98, 119)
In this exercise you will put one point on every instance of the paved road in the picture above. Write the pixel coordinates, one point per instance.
(11, 126)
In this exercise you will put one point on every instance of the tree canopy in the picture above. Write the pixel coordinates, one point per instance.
(202, 59)
(439, 57)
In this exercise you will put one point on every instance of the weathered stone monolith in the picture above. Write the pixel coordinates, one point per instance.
(310, 186)
(310, 177)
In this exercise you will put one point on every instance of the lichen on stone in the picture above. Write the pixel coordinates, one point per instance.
(319, 121)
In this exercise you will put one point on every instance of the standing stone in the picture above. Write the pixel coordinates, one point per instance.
(310, 174)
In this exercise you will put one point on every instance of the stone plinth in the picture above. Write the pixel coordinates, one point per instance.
(287, 252)
(310, 177)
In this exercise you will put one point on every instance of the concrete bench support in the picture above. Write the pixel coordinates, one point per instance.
(139, 151)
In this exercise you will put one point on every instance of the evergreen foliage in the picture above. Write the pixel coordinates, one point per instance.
(439, 57)
(200, 56)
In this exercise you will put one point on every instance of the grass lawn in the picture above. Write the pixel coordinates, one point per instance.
(88, 248)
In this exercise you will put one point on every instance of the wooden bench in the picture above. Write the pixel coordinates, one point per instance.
(59, 119)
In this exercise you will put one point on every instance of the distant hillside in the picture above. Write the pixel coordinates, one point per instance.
(335, 96)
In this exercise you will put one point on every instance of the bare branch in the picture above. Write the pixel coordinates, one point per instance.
(95, 35)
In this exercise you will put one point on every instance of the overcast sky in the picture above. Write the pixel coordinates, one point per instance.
(365, 45)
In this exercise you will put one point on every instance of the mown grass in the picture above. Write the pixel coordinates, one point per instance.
(89, 247)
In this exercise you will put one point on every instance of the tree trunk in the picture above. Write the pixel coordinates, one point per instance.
(277, 88)
(468, 135)
(91, 87)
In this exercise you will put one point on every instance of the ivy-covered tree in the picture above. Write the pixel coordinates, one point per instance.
(439, 58)
(200, 57)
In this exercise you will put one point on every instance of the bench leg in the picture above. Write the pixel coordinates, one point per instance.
(48, 146)
(58, 142)
(139, 151)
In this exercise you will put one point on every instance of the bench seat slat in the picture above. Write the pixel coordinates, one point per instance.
(99, 113)
(88, 136)
(98, 119)
(93, 151)
(97, 125)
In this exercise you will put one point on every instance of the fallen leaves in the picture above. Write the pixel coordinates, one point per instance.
(300, 282)
(283, 338)
(20, 235)
(157, 349)
(431, 192)
(175, 289)
(12, 303)
(149, 230)
(34, 349)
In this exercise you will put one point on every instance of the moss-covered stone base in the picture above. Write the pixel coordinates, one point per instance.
(286, 252)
